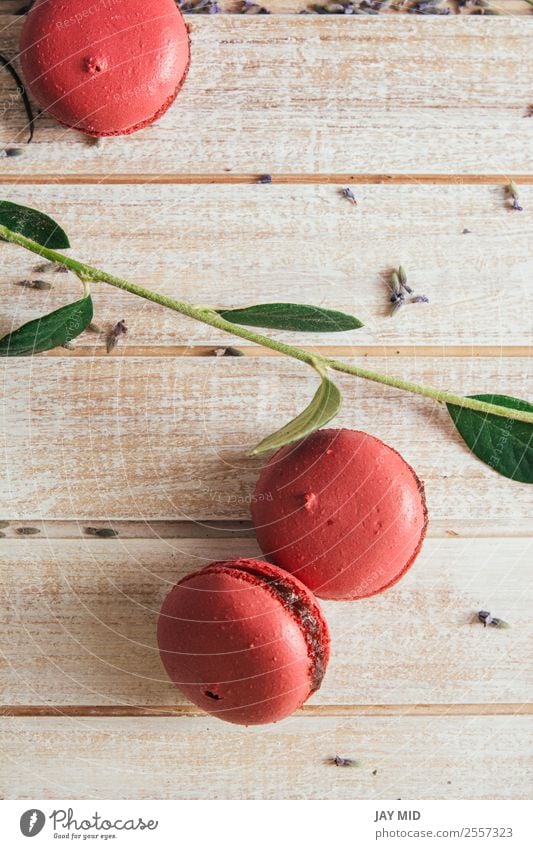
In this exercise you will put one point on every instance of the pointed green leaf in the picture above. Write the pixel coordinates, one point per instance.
(324, 406)
(504, 444)
(48, 331)
(33, 224)
(292, 317)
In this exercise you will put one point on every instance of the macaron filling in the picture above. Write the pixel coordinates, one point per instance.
(299, 607)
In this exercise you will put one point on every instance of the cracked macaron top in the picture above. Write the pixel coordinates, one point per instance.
(243, 640)
(342, 511)
(105, 68)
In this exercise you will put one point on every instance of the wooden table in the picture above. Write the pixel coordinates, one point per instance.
(426, 119)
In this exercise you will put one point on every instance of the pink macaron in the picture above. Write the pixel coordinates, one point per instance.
(243, 640)
(342, 511)
(106, 68)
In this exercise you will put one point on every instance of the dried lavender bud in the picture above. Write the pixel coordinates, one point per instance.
(250, 8)
(466, 230)
(349, 195)
(428, 7)
(49, 267)
(402, 277)
(488, 619)
(395, 285)
(512, 191)
(104, 533)
(230, 351)
(43, 285)
(28, 532)
(119, 330)
(420, 299)
(13, 151)
(397, 302)
(338, 761)
(342, 8)
(265, 178)
(198, 7)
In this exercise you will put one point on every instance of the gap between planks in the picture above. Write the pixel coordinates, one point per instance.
(68, 529)
(339, 351)
(293, 179)
(482, 709)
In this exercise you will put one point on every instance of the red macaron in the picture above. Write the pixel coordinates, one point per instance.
(342, 511)
(243, 640)
(105, 68)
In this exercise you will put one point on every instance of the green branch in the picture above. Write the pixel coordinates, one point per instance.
(88, 273)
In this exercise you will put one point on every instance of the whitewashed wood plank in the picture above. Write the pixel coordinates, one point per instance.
(192, 757)
(79, 617)
(158, 438)
(232, 245)
(406, 94)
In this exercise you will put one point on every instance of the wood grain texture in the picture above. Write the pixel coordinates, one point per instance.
(412, 758)
(252, 178)
(79, 618)
(272, 82)
(166, 439)
(235, 245)
(427, 118)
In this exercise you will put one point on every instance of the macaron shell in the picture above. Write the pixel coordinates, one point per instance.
(342, 511)
(233, 648)
(105, 68)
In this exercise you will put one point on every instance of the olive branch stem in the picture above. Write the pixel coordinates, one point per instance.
(207, 315)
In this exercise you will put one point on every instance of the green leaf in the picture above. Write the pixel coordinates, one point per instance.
(48, 331)
(33, 224)
(504, 444)
(292, 317)
(324, 406)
